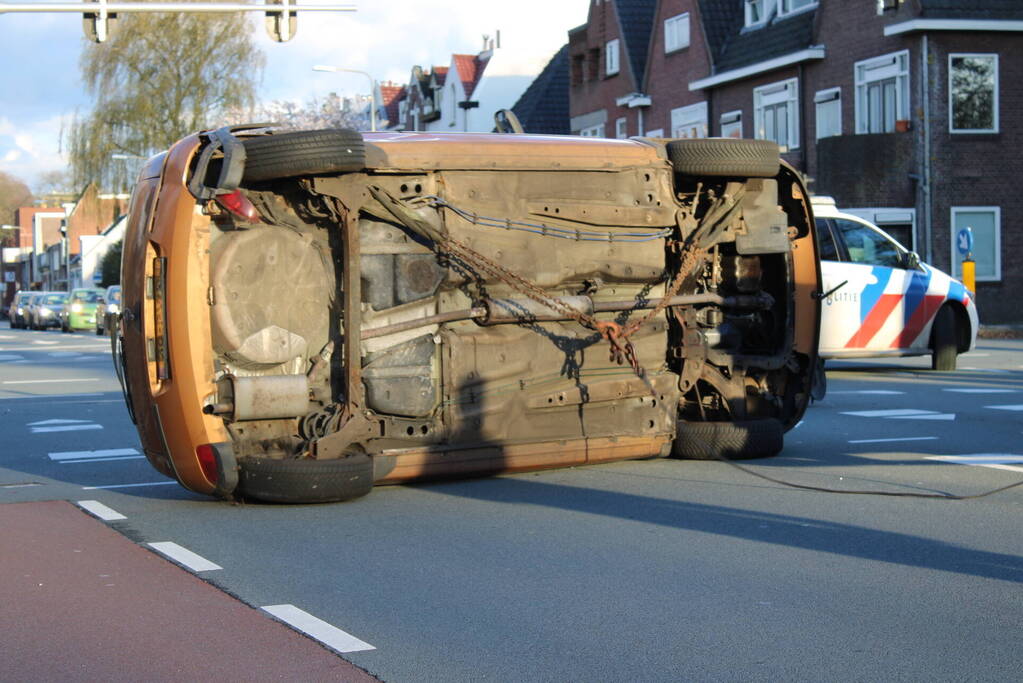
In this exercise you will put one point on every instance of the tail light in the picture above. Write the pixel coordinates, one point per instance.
(239, 205)
(208, 462)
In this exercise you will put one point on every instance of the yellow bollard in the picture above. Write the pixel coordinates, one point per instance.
(970, 275)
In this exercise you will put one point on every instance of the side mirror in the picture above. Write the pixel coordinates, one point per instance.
(911, 260)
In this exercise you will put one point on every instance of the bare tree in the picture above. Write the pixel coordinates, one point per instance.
(331, 111)
(13, 194)
(158, 78)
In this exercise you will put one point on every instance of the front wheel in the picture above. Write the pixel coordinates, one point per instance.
(741, 440)
(305, 481)
(944, 348)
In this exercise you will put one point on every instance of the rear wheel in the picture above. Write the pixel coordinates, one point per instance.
(742, 440)
(305, 481)
(944, 348)
(303, 152)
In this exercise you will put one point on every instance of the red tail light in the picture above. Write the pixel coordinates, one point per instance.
(208, 462)
(239, 205)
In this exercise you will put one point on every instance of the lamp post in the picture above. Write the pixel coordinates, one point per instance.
(372, 89)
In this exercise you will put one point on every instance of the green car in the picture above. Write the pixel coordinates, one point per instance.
(80, 309)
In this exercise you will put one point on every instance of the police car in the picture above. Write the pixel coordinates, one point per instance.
(880, 300)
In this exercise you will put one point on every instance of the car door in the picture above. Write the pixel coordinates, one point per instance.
(884, 306)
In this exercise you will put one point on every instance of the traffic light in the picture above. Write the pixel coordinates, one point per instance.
(281, 26)
(98, 25)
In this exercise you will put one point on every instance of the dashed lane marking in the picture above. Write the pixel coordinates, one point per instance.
(128, 486)
(8, 357)
(317, 629)
(998, 461)
(873, 392)
(48, 397)
(983, 391)
(66, 428)
(902, 414)
(100, 510)
(1017, 407)
(184, 556)
(101, 455)
(901, 438)
(43, 342)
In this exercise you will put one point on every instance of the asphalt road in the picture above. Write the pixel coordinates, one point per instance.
(651, 570)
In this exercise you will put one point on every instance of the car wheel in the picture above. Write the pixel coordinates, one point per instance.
(944, 348)
(742, 440)
(305, 481)
(724, 157)
(303, 152)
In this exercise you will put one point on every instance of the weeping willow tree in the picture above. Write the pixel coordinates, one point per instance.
(158, 78)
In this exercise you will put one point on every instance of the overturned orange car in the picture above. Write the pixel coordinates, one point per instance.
(308, 313)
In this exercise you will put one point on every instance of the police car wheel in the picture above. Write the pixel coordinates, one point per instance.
(943, 341)
(740, 440)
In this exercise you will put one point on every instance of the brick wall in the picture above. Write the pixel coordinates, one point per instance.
(669, 75)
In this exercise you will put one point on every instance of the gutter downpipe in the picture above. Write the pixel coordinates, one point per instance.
(925, 80)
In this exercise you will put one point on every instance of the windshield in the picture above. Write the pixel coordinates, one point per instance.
(114, 296)
(54, 299)
(85, 297)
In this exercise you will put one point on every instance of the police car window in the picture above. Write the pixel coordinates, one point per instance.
(829, 250)
(867, 246)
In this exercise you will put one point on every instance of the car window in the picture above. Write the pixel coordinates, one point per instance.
(85, 297)
(114, 296)
(828, 248)
(54, 299)
(868, 246)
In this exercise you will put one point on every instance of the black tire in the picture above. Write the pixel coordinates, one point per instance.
(944, 349)
(742, 440)
(303, 152)
(724, 157)
(305, 481)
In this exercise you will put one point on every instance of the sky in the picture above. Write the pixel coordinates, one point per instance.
(40, 88)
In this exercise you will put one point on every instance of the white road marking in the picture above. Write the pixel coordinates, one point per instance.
(7, 357)
(948, 417)
(315, 628)
(983, 391)
(896, 412)
(49, 381)
(88, 455)
(974, 354)
(48, 396)
(64, 354)
(6, 336)
(57, 421)
(903, 438)
(100, 510)
(184, 556)
(126, 457)
(65, 428)
(1017, 407)
(95, 347)
(998, 461)
(875, 392)
(127, 486)
(44, 342)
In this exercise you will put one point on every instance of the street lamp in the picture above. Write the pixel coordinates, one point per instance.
(372, 89)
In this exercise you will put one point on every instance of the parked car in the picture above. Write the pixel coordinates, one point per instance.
(79, 311)
(350, 309)
(18, 313)
(45, 308)
(882, 301)
(107, 309)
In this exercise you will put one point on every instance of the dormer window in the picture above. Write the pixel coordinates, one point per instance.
(759, 12)
(611, 57)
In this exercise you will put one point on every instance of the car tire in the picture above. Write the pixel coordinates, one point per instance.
(742, 440)
(724, 157)
(305, 481)
(944, 349)
(303, 152)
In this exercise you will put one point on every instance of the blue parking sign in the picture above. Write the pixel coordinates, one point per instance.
(964, 241)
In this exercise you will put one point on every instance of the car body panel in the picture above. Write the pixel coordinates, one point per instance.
(79, 311)
(45, 310)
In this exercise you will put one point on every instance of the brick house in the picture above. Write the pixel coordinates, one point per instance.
(903, 110)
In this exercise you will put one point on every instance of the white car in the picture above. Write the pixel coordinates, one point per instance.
(880, 300)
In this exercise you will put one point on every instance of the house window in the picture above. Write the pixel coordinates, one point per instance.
(775, 114)
(676, 32)
(793, 6)
(593, 131)
(689, 122)
(757, 11)
(611, 57)
(731, 124)
(986, 224)
(882, 92)
(973, 93)
(828, 104)
(621, 128)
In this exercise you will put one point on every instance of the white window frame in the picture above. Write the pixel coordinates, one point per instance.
(596, 131)
(689, 116)
(785, 7)
(621, 128)
(766, 9)
(730, 122)
(831, 95)
(968, 131)
(865, 72)
(612, 63)
(956, 269)
(771, 96)
(676, 32)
